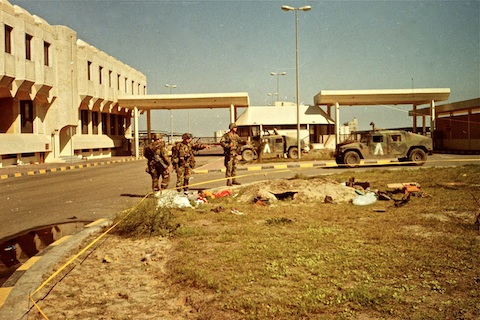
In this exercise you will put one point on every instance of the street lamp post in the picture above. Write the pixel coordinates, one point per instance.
(171, 86)
(304, 8)
(278, 74)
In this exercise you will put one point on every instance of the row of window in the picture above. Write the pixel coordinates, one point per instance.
(110, 80)
(28, 45)
(117, 123)
(46, 58)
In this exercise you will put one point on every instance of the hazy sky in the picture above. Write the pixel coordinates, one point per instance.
(233, 45)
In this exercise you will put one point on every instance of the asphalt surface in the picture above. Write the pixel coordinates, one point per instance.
(14, 293)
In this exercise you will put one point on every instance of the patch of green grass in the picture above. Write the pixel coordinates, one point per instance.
(318, 261)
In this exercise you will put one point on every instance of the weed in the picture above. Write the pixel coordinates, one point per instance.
(145, 220)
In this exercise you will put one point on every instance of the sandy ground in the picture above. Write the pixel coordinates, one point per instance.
(126, 279)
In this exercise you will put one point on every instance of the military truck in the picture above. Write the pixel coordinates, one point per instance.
(271, 146)
(384, 144)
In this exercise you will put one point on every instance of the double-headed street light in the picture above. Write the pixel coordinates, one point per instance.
(171, 86)
(278, 74)
(304, 8)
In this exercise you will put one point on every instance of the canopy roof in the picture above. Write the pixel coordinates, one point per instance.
(283, 115)
(381, 97)
(185, 101)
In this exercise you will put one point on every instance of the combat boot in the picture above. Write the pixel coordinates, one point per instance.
(235, 182)
(229, 183)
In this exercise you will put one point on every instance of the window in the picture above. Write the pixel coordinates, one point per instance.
(112, 124)
(84, 119)
(377, 139)
(28, 47)
(133, 86)
(89, 70)
(104, 123)
(46, 54)
(8, 39)
(26, 116)
(118, 82)
(95, 122)
(120, 121)
(100, 71)
(126, 86)
(110, 78)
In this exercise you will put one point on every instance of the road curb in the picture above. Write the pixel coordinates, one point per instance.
(14, 293)
(64, 168)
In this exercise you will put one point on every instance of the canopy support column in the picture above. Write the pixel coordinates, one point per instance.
(135, 119)
(414, 118)
(337, 122)
(232, 113)
(149, 126)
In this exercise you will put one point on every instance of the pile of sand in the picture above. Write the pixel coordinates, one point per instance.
(304, 190)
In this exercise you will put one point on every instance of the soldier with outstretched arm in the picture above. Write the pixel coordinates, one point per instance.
(231, 143)
(183, 160)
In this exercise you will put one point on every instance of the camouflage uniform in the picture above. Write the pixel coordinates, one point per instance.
(231, 143)
(158, 162)
(183, 160)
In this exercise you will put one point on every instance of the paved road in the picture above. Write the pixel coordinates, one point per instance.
(92, 193)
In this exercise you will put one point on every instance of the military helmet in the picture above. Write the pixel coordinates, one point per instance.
(156, 136)
(232, 125)
(186, 136)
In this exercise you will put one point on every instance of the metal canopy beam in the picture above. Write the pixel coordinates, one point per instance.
(185, 101)
(381, 97)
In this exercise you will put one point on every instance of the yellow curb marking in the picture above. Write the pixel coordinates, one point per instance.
(306, 165)
(16, 175)
(331, 164)
(200, 171)
(254, 168)
(94, 223)
(384, 162)
(30, 262)
(62, 239)
(4, 292)
(30, 173)
(4, 176)
(280, 166)
(42, 171)
(63, 169)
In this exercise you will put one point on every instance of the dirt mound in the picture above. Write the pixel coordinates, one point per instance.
(299, 190)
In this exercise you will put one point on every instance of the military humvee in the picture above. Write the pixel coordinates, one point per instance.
(384, 144)
(271, 146)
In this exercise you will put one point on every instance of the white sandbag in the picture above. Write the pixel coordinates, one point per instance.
(365, 199)
(173, 199)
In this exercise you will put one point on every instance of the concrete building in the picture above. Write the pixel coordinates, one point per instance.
(58, 94)
(316, 127)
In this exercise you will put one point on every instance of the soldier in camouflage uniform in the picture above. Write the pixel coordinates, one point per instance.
(231, 143)
(158, 163)
(183, 160)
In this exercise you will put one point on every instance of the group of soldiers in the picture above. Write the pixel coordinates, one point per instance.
(182, 160)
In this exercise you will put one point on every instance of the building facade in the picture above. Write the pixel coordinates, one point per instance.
(58, 94)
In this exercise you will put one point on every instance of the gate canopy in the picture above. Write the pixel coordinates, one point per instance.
(381, 97)
(414, 97)
(185, 101)
(147, 103)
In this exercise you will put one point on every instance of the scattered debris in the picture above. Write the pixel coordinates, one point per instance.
(261, 201)
(217, 209)
(235, 211)
(289, 195)
(363, 200)
(329, 199)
